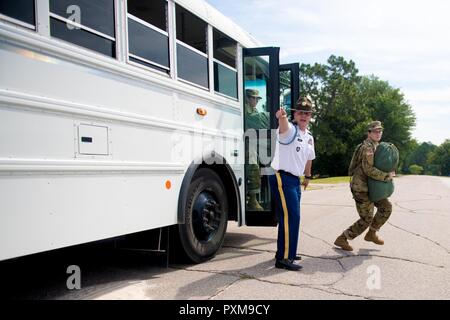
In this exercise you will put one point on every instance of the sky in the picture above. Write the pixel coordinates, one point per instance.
(404, 42)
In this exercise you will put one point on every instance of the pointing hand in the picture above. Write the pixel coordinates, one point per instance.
(281, 113)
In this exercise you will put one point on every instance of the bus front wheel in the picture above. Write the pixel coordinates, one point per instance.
(206, 216)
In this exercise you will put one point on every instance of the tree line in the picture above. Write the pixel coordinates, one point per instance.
(345, 102)
(427, 158)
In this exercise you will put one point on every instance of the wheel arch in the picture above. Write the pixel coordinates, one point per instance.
(219, 165)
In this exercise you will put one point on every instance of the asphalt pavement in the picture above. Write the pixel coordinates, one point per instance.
(414, 263)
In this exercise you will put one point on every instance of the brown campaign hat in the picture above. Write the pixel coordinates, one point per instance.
(303, 104)
(374, 125)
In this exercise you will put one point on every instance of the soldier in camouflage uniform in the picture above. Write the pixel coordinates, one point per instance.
(254, 120)
(360, 169)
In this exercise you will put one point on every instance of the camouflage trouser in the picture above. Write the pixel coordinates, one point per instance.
(365, 210)
(254, 178)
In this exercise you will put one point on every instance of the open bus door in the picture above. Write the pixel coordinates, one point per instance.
(289, 86)
(266, 85)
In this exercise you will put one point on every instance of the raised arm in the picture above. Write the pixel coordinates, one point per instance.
(282, 120)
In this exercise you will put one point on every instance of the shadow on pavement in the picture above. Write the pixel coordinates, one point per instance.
(104, 269)
(44, 275)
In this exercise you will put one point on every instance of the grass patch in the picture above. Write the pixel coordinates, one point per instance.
(331, 180)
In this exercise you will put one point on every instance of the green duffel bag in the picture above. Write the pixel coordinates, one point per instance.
(385, 159)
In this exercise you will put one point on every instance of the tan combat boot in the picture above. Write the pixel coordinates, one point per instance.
(342, 242)
(253, 204)
(373, 237)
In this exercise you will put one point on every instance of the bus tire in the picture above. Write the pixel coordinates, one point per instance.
(206, 216)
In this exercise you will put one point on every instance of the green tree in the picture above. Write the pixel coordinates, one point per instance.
(409, 152)
(433, 170)
(420, 155)
(345, 102)
(388, 105)
(415, 169)
(440, 159)
(337, 116)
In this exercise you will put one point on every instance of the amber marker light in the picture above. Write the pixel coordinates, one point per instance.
(201, 111)
(168, 184)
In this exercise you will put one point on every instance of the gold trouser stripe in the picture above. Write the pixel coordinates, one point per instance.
(286, 218)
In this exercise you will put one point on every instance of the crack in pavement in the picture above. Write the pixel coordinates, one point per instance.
(347, 255)
(395, 258)
(330, 287)
(315, 287)
(322, 240)
(351, 255)
(344, 270)
(328, 186)
(219, 292)
(273, 252)
(224, 273)
(342, 266)
(327, 205)
(421, 236)
(421, 212)
(433, 197)
(342, 273)
(417, 211)
(244, 276)
(341, 292)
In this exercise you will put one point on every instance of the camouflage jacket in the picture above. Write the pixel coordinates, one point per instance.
(257, 120)
(361, 167)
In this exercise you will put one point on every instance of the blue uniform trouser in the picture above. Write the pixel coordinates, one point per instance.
(286, 193)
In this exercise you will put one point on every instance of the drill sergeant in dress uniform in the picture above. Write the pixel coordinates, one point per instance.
(294, 152)
(254, 120)
(360, 169)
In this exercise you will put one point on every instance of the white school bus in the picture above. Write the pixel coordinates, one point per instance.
(120, 116)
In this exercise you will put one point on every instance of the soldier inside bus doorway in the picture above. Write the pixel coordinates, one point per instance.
(254, 120)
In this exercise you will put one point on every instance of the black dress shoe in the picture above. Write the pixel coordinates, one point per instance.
(297, 257)
(287, 264)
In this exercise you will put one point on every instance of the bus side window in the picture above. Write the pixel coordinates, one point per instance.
(225, 72)
(148, 37)
(86, 23)
(192, 57)
(21, 12)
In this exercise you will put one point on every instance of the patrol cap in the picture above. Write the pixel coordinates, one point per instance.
(374, 125)
(303, 104)
(252, 93)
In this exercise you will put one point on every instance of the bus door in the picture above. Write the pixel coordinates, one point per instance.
(267, 86)
(289, 86)
(261, 101)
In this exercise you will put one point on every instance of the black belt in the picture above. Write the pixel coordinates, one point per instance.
(287, 173)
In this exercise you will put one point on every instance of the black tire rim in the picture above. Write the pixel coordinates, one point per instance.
(206, 216)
